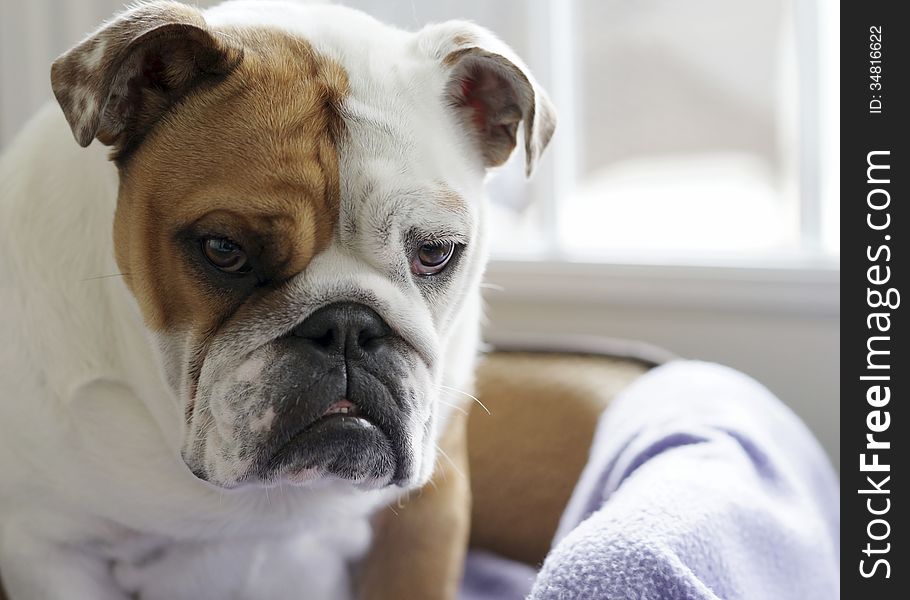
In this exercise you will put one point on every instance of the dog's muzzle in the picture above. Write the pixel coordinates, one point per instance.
(341, 403)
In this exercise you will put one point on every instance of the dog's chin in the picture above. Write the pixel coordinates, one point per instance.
(344, 449)
(338, 447)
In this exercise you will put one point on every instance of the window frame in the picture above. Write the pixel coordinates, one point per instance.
(555, 64)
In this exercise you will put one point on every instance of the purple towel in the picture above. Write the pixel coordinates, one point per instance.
(700, 485)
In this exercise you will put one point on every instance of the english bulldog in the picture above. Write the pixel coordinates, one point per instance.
(243, 329)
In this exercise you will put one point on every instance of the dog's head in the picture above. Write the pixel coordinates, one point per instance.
(300, 220)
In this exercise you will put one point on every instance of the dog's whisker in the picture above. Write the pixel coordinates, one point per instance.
(402, 500)
(104, 276)
(437, 468)
(472, 397)
(451, 462)
(453, 406)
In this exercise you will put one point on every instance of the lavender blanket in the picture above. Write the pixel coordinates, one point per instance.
(700, 485)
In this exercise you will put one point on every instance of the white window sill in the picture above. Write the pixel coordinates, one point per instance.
(806, 287)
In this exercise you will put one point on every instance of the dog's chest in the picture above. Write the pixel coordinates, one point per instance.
(313, 564)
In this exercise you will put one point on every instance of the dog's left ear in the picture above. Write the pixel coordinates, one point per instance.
(491, 91)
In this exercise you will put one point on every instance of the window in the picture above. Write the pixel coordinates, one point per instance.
(694, 133)
(689, 133)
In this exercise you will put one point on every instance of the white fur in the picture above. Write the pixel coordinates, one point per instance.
(90, 429)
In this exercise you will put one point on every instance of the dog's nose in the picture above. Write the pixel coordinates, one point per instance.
(346, 328)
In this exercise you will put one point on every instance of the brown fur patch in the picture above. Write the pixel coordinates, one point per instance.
(252, 159)
(464, 39)
(451, 199)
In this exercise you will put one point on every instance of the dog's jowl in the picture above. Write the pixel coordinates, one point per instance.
(230, 323)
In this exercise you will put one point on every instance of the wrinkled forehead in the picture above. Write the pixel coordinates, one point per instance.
(400, 156)
(401, 146)
(302, 123)
(393, 113)
(272, 120)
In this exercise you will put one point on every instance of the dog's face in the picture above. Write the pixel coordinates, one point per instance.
(300, 220)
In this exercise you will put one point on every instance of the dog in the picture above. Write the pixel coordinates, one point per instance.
(232, 327)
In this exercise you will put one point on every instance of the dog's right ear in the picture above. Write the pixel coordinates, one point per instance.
(120, 80)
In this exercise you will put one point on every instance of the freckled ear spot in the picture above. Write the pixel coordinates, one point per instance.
(119, 81)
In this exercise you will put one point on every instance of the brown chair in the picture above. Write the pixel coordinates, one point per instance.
(544, 397)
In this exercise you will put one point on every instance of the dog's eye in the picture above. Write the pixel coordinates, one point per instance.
(430, 259)
(226, 255)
